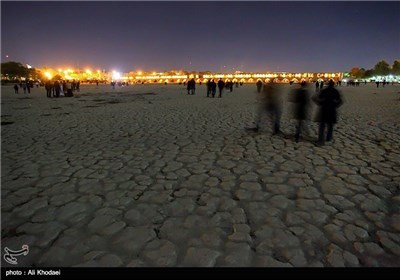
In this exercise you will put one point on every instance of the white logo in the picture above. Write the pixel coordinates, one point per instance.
(9, 256)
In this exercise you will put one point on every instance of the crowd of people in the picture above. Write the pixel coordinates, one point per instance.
(212, 87)
(61, 88)
(25, 85)
(327, 99)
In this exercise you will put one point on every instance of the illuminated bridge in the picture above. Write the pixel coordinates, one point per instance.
(182, 77)
(281, 77)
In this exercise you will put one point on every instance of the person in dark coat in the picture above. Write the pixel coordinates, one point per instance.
(329, 99)
(213, 86)
(316, 86)
(191, 87)
(208, 84)
(16, 88)
(221, 85)
(48, 86)
(301, 101)
(57, 88)
(28, 86)
(259, 86)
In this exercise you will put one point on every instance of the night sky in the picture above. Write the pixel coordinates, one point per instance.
(199, 36)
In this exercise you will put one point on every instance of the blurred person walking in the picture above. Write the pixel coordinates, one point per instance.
(270, 103)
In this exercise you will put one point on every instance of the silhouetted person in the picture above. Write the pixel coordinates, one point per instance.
(301, 101)
(68, 86)
(259, 86)
(230, 86)
(221, 85)
(57, 88)
(213, 86)
(48, 86)
(191, 87)
(16, 88)
(316, 86)
(321, 85)
(329, 100)
(208, 84)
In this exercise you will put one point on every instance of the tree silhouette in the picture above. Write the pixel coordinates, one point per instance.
(15, 70)
(382, 68)
(356, 72)
(396, 67)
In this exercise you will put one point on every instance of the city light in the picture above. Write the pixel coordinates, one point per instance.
(116, 75)
(48, 75)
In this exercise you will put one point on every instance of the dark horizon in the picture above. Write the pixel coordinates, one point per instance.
(200, 36)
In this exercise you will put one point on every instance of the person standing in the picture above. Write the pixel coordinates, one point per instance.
(28, 86)
(16, 88)
(68, 87)
(259, 86)
(213, 86)
(208, 84)
(57, 88)
(191, 87)
(329, 99)
(221, 85)
(316, 86)
(301, 100)
(61, 88)
(48, 86)
(321, 85)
